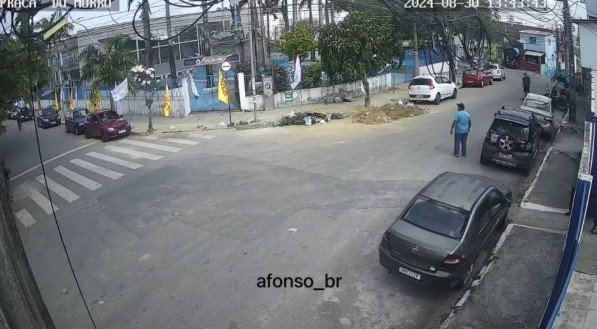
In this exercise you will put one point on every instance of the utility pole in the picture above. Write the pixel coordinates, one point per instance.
(252, 5)
(326, 11)
(320, 13)
(148, 54)
(570, 64)
(170, 46)
(416, 49)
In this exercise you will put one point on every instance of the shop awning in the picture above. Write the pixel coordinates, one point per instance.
(533, 53)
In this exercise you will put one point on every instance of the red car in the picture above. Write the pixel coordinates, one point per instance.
(476, 78)
(106, 124)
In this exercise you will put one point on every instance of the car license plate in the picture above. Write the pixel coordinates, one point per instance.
(409, 273)
(494, 138)
(122, 131)
(505, 156)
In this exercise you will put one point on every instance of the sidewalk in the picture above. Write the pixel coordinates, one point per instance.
(213, 119)
(517, 282)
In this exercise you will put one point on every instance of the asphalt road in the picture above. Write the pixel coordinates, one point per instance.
(182, 241)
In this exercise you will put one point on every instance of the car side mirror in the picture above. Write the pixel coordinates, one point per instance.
(507, 202)
(495, 115)
(549, 119)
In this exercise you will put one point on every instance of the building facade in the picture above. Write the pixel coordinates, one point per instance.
(540, 52)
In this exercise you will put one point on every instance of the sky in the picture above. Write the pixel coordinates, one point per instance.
(89, 19)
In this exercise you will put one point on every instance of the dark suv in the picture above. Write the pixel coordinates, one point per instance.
(512, 139)
(48, 117)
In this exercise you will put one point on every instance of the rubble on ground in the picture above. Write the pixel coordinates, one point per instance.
(386, 113)
(308, 118)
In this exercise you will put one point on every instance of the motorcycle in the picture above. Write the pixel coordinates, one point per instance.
(559, 97)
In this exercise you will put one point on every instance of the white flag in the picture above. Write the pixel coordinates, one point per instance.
(296, 75)
(120, 91)
(193, 86)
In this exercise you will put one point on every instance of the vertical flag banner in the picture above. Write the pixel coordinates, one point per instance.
(120, 91)
(71, 101)
(167, 102)
(223, 89)
(56, 104)
(193, 86)
(296, 75)
(95, 100)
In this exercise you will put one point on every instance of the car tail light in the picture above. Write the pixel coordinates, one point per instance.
(385, 241)
(431, 86)
(453, 261)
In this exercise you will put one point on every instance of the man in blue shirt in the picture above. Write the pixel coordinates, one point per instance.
(462, 123)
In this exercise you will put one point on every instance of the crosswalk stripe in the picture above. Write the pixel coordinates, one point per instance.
(62, 191)
(151, 145)
(97, 169)
(133, 153)
(202, 136)
(25, 218)
(181, 141)
(39, 198)
(124, 163)
(79, 179)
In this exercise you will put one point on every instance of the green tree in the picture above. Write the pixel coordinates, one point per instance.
(108, 67)
(299, 42)
(357, 47)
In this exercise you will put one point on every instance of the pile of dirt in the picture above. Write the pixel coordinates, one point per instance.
(385, 114)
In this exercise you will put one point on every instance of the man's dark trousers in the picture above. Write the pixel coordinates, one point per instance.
(460, 139)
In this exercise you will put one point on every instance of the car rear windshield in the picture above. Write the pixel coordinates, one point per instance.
(492, 67)
(79, 114)
(437, 218)
(536, 104)
(107, 116)
(515, 129)
(419, 82)
(470, 72)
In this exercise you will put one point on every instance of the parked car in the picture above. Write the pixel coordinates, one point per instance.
(26, 114)
(512, 139)
(541, 106)
(496, 71)
(439, 234)
(428, 88)
(48, 117)
(474, 77)
(75, 121)
(106, 124)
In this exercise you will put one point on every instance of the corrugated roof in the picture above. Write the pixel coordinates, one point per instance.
(537, 32)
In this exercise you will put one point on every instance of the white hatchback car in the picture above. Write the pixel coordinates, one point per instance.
(496, 72)
(432, 89)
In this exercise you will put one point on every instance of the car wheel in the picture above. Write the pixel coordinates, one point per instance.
(104, 137)
(438, 99)
(87, 135)
(503, 221)
(77, 132)
(66, 129)
(482, 84)
(491, 81)
(454, 93)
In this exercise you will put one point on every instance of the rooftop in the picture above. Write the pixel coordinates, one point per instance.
(537, 32)
(458, 190)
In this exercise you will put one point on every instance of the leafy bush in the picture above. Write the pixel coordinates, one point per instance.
(312, 76)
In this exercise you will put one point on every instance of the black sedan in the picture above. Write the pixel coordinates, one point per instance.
(75, 121)
(24, 114)
(437, 238)
(48, 118)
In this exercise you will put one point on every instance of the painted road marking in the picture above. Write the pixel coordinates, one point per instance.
(202, 136)
(133, 153)
(62, 191)
(25, 218)
(97, 169)
(79, 179)
(151, 145)
(124, 163)
(50, 160)
(38, 198)
(181, 141)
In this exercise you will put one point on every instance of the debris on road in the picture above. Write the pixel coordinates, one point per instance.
(307, 118)
(386, 113)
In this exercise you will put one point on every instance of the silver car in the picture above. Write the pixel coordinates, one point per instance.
(540, 106)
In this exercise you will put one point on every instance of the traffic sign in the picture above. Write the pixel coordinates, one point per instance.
(225, 66)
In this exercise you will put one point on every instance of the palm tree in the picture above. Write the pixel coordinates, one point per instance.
(110, 66)
(62, 33)
(270, 8)
(309, 4)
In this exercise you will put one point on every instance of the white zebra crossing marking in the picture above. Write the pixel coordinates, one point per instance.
(181, 141)
(201, 136)
(133, 153)
(151, 145)
(25, 218)
(62, 191)
(39, 198)
(79, 179)
(96, 169)
(124, 163)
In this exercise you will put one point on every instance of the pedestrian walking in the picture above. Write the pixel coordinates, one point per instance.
(526, 84)
(462, 124)
(19, 120)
